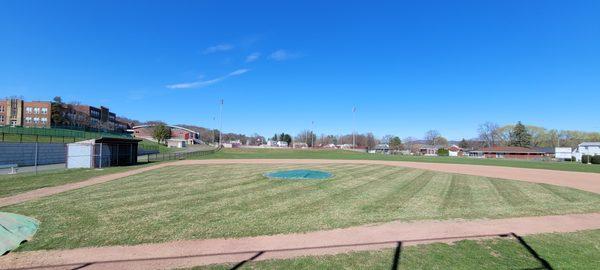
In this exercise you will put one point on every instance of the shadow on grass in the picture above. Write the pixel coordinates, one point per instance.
(396, 261)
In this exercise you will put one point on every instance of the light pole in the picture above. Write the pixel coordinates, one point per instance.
(221, 124)
(353, 127)
(312, 135)
(214, 127)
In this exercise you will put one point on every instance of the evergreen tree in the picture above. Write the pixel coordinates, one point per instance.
(463, 144)
(519, 136)
(395, 143)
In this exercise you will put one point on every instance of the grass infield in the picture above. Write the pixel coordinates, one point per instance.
(579, 250)
(209, 201)
(229, 153)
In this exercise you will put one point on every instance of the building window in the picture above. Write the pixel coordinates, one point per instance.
(44, 120)
(1, 108)
(13, 123)
(36, 110)
(28, 109)
(1, 119)
(44, 110)
(36, 120)
(27, 119)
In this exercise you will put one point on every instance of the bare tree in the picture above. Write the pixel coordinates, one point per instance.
(489, 133)
(433, 137)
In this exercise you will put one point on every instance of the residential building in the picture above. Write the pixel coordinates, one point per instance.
(586, 148)
(513, 152)
(382, 148)
(299, 145)
(455, 151)
(19, 113)
(563, 153)
(429, 150)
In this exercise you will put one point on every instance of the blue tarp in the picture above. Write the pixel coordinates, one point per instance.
(299, 174)
(14, 230)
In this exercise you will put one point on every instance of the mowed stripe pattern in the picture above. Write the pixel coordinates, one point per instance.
(211, 201)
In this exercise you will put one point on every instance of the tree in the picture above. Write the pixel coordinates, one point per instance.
(387, 139)
(433, 137)
(57, 112)
(274, 138)
(306, 136)
(161, 133)
(490, 133)
(286, 138)
(463, 144)
(519, 136)
(395, 143)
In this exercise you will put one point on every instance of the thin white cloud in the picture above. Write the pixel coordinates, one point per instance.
(252, 57)
(201, 83)
(282, 55)
(218, 48)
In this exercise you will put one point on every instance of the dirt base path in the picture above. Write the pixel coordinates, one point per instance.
(371, 237)
(578, 180)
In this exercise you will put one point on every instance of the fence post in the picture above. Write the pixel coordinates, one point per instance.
(100, 156)
(36, 157)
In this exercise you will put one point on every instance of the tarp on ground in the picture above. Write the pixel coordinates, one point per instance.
(14, 230)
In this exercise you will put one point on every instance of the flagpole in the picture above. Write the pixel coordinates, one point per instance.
(221, 124)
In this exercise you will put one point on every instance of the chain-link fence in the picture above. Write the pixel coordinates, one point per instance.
(174, 156)
(18, 157)
(51, 135)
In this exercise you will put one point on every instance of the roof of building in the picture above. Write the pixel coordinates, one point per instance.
(547, 150)
(509, 149)
(116, 140)
(589, 144)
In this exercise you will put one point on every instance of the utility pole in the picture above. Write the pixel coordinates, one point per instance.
(354, 127)
(221, 124)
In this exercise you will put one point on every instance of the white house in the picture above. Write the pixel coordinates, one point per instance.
(563, 153)
(586, 148)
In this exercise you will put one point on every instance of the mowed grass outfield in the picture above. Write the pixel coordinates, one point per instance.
(209, 201)
(237, 153)
(578, 250)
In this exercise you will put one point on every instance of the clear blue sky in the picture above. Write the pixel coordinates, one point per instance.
(408, 66)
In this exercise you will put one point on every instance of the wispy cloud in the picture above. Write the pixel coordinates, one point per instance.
(252, 57)
(282, 55)
(204, 83)
(218, 48)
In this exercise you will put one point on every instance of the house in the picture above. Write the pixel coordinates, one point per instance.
(514, 152)
(380, 148)
(299, 145)
(586, 148)
(429, 150)
(563, 153)
(271, 143)
(102, 152)
(455, 151)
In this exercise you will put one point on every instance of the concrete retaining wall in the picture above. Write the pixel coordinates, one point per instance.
(23, 154)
